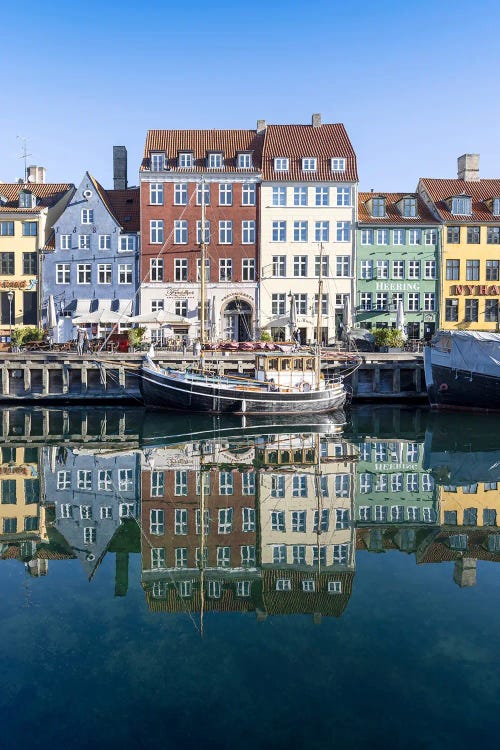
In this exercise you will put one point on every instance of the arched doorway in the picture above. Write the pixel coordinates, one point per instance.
(237, 322)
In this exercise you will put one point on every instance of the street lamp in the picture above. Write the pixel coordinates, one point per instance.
(10, 297)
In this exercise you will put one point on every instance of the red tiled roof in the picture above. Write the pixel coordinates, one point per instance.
(440, 551)
(393, 215)
(123, 205)
(480, 191)
(202, 141)
(298, 141)
(47, 194)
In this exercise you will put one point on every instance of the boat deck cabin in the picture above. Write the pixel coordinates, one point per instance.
(287, 370)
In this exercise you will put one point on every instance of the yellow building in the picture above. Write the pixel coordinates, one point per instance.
(475, 505)
(27, 213)
(469, 208)
(21, 518)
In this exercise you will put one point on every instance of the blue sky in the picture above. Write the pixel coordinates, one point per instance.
(415, 84)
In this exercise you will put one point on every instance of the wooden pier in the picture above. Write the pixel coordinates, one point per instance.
(70, 377)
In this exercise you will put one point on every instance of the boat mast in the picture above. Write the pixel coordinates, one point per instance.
(202, 269)
(202, 539)
(318, 318)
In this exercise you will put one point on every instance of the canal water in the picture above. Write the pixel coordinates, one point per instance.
(196, 582)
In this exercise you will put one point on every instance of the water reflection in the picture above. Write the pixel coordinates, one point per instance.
(263, 518)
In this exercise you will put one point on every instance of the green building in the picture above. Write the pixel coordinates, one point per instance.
(397, 259)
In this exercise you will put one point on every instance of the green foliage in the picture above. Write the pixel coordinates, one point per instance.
(21, 336)
(135, 335)
(391, 337)
(265, 336)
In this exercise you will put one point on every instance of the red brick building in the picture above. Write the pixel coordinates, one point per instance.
(181, 171)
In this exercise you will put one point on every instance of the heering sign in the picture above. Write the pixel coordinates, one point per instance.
(394, 286)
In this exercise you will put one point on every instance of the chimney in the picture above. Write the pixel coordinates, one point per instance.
(468, 167)
(119, 168)
(464, 572)
(261, 126)
(316, 120)
(36, 174)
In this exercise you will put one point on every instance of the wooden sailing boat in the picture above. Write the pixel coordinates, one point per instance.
(283, 383)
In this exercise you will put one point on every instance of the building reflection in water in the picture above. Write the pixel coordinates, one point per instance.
(231, 520)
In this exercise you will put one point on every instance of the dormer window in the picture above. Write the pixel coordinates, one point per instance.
(461, 205)
(214, 160)
(409, 206)
(338, 165)
(280, 164)
(157, 162)
(244, 161)
(26, 199)
(185, 159)
(495, 207)
(378, 206)
(87, 216)
(309, 164)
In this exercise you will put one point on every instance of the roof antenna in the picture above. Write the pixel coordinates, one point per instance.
(24, 154)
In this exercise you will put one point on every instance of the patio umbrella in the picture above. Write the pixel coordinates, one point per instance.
(400, 318)
(293, 315)
(347, 314)
(159, 317)
(51, 313)
(101, 316)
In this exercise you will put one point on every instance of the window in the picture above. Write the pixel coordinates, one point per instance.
(452, 270)
(489, 515)
(300, 265)
(248, 269)
(495, 208)
(378, 207)
(89, 535)
(409, 207)
(430, 236)
(156, 269)
(157, 304)
(344, 196)
(215, 161)
(156, 231)
(473, 235)
(181, 308)
(366, 300)
(366, 270)
(278, 520)
(127, 243)
(225, 232)
(104, 273)
(280, 164)
(322, 231)
(453, 235)
(181, 557)
(338, 165)
(308, 586)
(430, 269)
(124, 273)
(157, 483)
(321, 520)
(471, 310)
(9, 491)
(225, 194)
(243, 588)
(226, 483)
(413, 269)
(30, 228)
(248, 193)
(180, 269)
(7, 229)
(248, 556)
(185, 159)
(381, 301)
(248, 523)
(248, 232)
(278, 304)
(343, 231)
(382, 269)
(322, 196)
(214, 589)
(399, 236)
(157, 521)
(429, 301)
(300, 231)
(398, 269)
(308, 164)
(62, 272)
(279, 553)
(323, 259)
(104, 242)
(279, 265)
(87, 216)
(225, 269)
(203, 194)
(83, 273)
(29, 264)
(451, 310)
(65, 242)
(493, 235)
(414, 236)
(157, 162)
(84, 241)
(343, 265)
(461, 205)
(180, 232)
(341, 518)
(413, 301)
(367, 236)
(491, 311)
(105, 480)
(300, 196)
(244, 161)
(198, 232)
(340, 554)
(299, 485)
(492, 268)
(472, 270)
(397, 513)
(125, 480)
(279, 231)
(278, 196)
(324, 304)
(158, 557)
(180, 516)
(382, 236)
(223, 557)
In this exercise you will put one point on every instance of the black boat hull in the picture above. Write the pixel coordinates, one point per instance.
(163, 391)
(456, 389)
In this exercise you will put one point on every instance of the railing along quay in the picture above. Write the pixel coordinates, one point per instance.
(70, 377)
